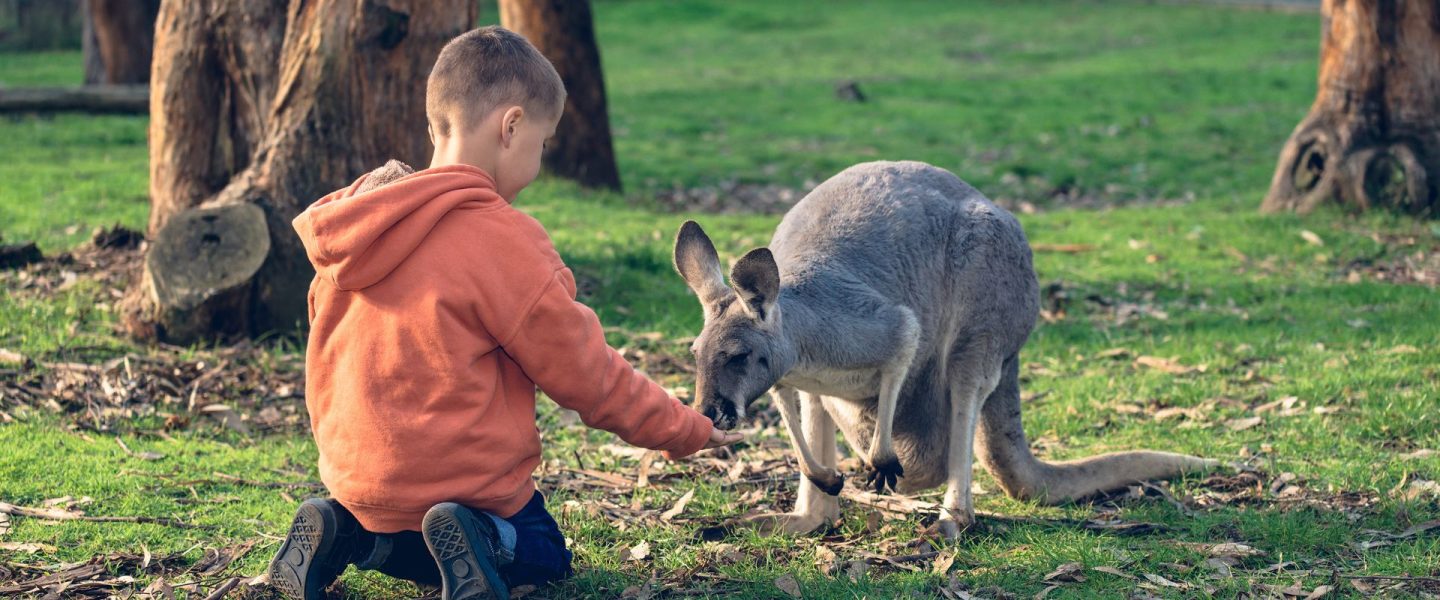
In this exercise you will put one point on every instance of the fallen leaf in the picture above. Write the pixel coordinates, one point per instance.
(1113, 571)
(1242, 424)
(1420, 454)
(1419, 529)
(679, 506)
(1403, 349)
(641, 551)
(1319, 591)
(856, 569)
(1233, 549)
(1161, 581)
(1166, 365)
(11, 357)
(1066, 572)
(1311, 237)
(789, 585)
(26, 547)
(4, 523)
(943, 562)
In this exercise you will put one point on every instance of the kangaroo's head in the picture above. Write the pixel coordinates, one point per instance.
(740, 353)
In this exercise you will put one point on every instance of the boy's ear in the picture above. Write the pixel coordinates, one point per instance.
(508, 123)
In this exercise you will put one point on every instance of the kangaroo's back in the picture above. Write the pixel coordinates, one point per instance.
(918, 235)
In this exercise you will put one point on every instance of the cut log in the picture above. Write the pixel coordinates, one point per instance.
(130, 99)
(199, 269)
(1372, 137)
(565, 33)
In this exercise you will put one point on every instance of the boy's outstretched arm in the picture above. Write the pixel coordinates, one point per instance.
(560, 345)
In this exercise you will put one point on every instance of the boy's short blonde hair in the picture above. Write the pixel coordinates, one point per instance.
(485, 69)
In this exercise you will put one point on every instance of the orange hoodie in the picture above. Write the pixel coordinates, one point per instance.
(435, 311)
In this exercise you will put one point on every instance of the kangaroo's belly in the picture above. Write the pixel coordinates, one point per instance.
(848, 384)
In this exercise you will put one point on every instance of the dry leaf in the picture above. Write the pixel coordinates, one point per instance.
(1113, 571)
(1066, 572)
(11, 357)
(641, 551)
(789, 585)
(943, 562)
(1242, 424)
(1420, 454)
(1161, 581)
(679, 506)
(1319, 591)
(1233, 549)
(26, 547)
(4, 523)
(1311, 237)
(1166, 365)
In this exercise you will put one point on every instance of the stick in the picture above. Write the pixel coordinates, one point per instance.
(223, 589)
(59, 515)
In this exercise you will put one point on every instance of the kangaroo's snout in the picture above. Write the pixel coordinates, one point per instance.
(722, 413)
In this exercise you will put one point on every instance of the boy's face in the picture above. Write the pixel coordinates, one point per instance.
(519, 160)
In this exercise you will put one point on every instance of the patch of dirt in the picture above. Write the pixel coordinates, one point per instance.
(733, 198)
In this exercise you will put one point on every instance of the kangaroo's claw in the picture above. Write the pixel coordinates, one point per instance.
(882, 474)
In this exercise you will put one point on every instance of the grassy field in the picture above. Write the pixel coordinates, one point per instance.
(1139, 139)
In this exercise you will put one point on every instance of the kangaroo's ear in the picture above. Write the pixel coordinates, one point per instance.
(757, 281)
(698, 264)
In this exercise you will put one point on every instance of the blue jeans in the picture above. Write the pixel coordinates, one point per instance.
(539, 549)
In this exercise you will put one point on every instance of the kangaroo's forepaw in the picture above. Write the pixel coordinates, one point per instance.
(883, 473)
(829, 481)
(792, 523)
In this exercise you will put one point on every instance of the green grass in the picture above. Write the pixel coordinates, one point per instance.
(1111, 103)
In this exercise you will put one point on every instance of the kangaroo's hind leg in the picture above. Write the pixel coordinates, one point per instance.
(813, 438)
(972, 376)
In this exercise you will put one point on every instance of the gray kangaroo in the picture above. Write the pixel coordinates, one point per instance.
(892, 302)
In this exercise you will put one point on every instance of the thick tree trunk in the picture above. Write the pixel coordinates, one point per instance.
(564, 32)
(233, 126)
(1372, 138)
(119, 40)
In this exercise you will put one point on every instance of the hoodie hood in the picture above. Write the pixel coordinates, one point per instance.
(357, 236)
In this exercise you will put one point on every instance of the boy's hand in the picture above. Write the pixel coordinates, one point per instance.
(721, 438)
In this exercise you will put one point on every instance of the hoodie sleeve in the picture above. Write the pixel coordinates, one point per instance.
(559, 344)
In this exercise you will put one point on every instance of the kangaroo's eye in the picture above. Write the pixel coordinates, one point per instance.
(738, 361)
(764, 363)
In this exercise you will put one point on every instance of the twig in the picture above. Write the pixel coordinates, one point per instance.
(223, 589)
(1394, 578)
(268, 484)
(56, 515)
(1164, 493)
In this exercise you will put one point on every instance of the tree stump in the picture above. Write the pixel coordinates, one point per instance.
(258, 108)
(1372, 137)
(564, 32)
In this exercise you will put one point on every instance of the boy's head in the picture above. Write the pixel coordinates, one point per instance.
(492, 99)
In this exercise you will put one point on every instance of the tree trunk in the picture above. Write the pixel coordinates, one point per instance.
(564, 32)
(258, 108)
(1372, 138)
(119, 39)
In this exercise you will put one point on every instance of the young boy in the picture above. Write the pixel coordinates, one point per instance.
(435, 311)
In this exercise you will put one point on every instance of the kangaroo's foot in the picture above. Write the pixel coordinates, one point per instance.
(953, 524)
(828, 480)
(794, 523)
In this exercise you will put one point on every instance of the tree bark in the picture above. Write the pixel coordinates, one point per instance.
(119, 40)
(270, 104)
(1372, 138)
(564, 32)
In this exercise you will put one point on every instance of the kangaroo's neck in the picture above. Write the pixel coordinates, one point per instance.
(812, 317)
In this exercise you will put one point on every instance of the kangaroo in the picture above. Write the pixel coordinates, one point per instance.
(892, 303)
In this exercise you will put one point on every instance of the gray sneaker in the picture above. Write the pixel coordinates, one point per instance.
(315, 551)
(466, 549)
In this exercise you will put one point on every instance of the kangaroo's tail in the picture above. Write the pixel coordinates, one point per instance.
(1003, 449)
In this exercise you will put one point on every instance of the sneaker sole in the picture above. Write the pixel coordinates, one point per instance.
(464, 573)
(293, 570)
